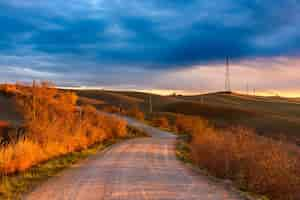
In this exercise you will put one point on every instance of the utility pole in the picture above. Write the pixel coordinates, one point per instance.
(227, 76)
(247, 88)
(150, 103)
(33, 100)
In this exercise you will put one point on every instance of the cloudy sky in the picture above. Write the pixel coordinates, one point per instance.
(158, 45)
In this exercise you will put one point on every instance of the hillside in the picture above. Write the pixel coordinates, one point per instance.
(275, 116)
(108, 98)
(272, 105)
(272, 116)
(127, 99)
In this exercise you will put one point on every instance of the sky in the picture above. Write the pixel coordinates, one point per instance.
(162, 46)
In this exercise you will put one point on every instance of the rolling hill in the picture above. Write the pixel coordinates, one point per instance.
(127, 99)
(272, 116)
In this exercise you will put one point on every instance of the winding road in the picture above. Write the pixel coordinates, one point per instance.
(137, 169)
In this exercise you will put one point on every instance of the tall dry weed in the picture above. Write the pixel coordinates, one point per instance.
(55, 126)
(258, 164)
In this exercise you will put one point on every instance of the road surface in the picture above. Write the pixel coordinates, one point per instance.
(137, 169)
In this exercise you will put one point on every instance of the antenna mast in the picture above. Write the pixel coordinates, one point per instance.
(227, 76)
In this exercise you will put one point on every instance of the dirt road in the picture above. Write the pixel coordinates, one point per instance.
(138, 169)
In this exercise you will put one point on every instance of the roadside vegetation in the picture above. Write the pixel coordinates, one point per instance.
(274, 117)
(14, 186)
(54, 126)
(134, 112)
(257, 164)
(246, 139)
(254, 163)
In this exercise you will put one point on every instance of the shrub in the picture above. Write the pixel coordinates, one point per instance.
(161, 122)
(55, 126)
(111, 109)
(8, 89)
(136, 113)
(258, 164)
(189, 125)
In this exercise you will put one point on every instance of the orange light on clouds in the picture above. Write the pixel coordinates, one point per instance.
(267, 77)
(278, 76)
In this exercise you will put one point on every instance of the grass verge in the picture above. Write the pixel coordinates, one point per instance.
(183, 153)
(14, 186)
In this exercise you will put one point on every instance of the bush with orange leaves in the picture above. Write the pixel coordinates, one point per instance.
(111, 109)
(55, 126)
(135, 113)
(161, 122)
(188, 124)
(8, 89)
(255, 163)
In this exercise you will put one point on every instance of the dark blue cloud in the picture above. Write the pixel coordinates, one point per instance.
(158, 34)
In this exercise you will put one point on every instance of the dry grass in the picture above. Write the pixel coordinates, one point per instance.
(274, 117)
(255, 163)
(270, 116)
(55, 127)
(9, 89)
(136, 113)
(14, 186)
(208, 111)
(179, 123)
(110, 98)
(161, 122)
(111, 109)
(189, 125)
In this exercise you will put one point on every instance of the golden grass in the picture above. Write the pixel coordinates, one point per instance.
(54, 127)
(136, 113)
(255, 163)
(14, 186)
(161, 122)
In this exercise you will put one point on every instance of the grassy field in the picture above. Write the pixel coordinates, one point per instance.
(246, 158)
(101, 98)
(271, 116)
(126, 99)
